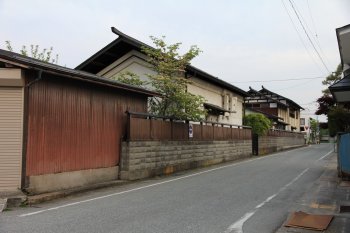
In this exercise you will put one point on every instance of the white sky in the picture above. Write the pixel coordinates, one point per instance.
(251, 40)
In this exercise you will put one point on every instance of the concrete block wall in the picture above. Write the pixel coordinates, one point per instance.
(141, 159)
(269, 144)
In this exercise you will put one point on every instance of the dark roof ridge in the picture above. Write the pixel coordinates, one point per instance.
(263, 88)
(190, 67)
(131, 39)
(139, 44)
(32, 63)
(267, 97)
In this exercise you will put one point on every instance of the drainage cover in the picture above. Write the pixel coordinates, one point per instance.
(309, 221)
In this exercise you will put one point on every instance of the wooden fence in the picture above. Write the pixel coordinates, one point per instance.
(146, 127)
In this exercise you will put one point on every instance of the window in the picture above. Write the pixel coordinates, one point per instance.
(233, 103)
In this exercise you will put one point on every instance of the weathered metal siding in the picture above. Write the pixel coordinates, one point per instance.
(11, 132)
(74, 126)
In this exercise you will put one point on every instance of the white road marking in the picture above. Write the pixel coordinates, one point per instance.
(147, 186)
(324, 156)
(237, 227)
(155, 184)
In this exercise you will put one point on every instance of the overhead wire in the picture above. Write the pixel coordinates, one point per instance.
(297, 85)
(300, 37)
(315, 36)
(279, 80)
(308, 36)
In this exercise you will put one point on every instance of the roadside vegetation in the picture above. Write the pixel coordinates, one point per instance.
(259, 123)
(338, 114)
(169, 81)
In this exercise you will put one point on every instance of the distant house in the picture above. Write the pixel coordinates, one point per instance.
(277, 122)
(341, 89)
(284, 112)
(305, 125)
(224, 101)
(59, 127)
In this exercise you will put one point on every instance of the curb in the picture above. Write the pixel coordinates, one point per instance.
(3, 204)
(39, 198)
(324, 197)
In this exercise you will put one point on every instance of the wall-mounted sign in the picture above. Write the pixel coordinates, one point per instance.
(190, 130)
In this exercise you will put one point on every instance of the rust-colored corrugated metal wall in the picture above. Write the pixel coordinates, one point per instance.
(75, 126)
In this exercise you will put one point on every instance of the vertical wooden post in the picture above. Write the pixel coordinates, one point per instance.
(213, 126)
(188, 130)
(150, 128)
(128, 127)
(201, 130)
(171, 129)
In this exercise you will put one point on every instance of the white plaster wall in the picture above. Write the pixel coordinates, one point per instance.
(135, 62)
(214, 95)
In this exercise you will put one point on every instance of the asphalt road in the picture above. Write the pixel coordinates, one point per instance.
(248, 196)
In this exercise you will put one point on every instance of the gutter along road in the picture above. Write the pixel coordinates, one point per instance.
(249, 196)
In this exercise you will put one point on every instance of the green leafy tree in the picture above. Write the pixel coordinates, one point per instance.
(332, 78)
(170, 81)
(44, 55)
(259, 123)
(314, 130)
(338, 114)
(338, 120)
(130, 78)
(326, 102)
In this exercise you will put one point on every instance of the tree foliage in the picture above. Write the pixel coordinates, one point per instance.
(44, 55)
(170, 81)
(332, 78)
(259, 123)
(338, 115)
(338, 120)
(130, 78)
(325, 103)
(314, 130)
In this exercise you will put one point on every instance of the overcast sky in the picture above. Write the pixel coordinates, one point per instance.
(242, 41)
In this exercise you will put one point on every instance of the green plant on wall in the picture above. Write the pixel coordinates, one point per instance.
(169, 81)
(130, 78)
(259, 123)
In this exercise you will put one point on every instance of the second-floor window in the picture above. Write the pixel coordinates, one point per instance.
(292, 114)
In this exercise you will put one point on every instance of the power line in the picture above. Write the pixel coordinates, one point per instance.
(297, 85)
(307, 27)
(312, 18)
(278, 80)
(300, 37)
(307, 34)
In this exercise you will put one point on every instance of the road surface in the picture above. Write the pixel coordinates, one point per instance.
(249, 196)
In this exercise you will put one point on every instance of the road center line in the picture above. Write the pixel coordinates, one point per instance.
(237, 227)
(324, 156)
